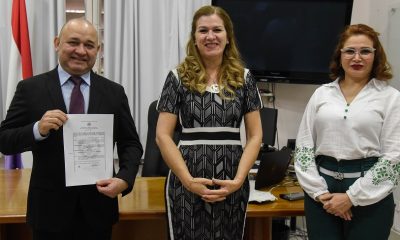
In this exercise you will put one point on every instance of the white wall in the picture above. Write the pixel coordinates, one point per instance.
(385, 18)
(291, 100)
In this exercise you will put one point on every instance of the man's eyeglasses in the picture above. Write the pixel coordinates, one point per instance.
(349, 53)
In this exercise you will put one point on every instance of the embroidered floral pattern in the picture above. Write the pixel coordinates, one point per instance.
(384, 170)
(304, 157)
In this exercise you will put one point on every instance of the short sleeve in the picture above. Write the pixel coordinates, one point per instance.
(252, 96)
(169, 99)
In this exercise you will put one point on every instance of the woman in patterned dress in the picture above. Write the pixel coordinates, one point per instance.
(209, 93)
(348, 146)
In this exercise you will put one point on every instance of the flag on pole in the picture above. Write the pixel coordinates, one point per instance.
(20, 65)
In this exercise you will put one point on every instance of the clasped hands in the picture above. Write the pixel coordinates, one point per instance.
(338, 204)
(213, 190)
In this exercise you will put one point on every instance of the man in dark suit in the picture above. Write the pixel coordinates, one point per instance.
(34, 122)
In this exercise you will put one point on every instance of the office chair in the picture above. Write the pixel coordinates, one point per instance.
(153, 164)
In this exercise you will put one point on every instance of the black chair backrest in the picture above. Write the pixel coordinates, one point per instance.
(269, 117)
(153, 164)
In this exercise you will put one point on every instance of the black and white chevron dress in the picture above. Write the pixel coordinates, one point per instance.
(210, 145)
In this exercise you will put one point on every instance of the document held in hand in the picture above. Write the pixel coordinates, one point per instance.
(88, 148)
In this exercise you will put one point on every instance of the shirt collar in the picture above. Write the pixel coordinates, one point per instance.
(64, 76)
(378, 84)
(333, 84)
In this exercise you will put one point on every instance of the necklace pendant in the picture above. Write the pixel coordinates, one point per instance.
(214, 88)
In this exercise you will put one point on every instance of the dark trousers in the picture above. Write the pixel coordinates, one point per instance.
(79, 230)
(372, 222)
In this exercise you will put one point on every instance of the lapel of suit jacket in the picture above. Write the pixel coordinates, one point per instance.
(95, 97)
(54, 88)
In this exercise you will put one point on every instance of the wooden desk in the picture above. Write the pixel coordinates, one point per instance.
(142, 212)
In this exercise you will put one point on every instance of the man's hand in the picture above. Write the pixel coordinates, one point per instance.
(52, 119)
(111, 187)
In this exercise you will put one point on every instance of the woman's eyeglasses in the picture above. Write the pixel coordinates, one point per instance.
(349, 53)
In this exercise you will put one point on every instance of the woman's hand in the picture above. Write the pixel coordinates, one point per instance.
(214, 190)
(323, 198)
(200, 186)
(339, 205)
(230, 185)
(223, 189)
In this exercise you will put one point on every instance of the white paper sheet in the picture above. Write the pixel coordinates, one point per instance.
(88, 148)
(259, 196)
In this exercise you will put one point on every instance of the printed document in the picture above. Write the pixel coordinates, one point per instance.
(88, 148)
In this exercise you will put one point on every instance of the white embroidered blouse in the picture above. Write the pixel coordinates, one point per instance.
(367, 127)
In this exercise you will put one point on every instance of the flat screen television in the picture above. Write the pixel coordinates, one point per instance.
(288, 41)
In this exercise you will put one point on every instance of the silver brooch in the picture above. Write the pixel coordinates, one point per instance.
(214, 88)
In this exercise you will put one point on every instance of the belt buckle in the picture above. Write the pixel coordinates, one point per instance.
(338, 176)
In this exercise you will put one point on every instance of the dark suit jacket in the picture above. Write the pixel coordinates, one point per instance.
(51, 205)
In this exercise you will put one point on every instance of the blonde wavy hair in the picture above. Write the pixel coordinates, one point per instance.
(192, 71)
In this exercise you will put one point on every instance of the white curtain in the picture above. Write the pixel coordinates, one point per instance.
(45, 19)
(5, 39)
(143, 40)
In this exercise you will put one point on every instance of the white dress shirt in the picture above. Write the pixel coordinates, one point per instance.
(367, 127)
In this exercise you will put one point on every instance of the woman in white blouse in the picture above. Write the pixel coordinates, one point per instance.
(347, 156)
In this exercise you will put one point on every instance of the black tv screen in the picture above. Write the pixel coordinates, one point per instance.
(288, 41)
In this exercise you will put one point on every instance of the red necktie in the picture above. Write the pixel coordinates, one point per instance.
(77, 104)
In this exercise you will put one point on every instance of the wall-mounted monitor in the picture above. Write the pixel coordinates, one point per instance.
(288, 41)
